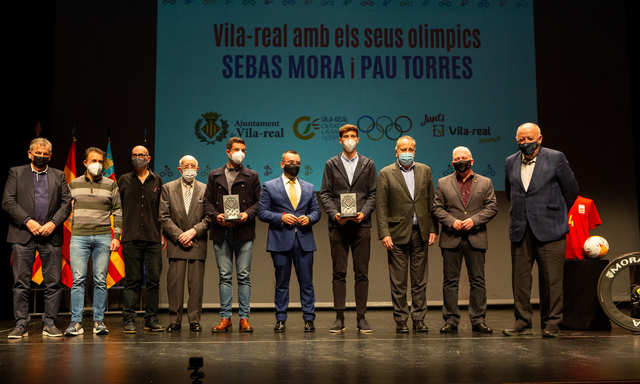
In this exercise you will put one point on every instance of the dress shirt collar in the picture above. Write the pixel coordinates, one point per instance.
(46, 169)
(345, 158)
(406, 170)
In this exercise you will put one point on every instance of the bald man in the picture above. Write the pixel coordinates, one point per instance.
(140, 192)
(541, 188)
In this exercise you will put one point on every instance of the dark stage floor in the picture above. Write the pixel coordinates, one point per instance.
(297, 357)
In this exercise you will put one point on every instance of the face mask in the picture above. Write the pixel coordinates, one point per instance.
(94, 169)
(528, 148)
(139, 163)
(291, 169)
(40, 161)
(237, 157)
(189, 174)
(462, 166)
(406, 158)
(349, 145)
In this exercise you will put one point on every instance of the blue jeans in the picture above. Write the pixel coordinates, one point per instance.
(225, 250)
(80, 249)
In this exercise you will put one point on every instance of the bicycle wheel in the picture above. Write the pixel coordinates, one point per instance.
(619, 291)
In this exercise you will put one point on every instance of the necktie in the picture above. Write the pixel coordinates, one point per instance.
(293, 195)
(187, 198)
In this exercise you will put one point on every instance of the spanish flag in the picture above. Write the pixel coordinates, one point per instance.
(70, 174)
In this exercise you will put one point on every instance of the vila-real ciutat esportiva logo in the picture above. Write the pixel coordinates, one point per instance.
(211, 132)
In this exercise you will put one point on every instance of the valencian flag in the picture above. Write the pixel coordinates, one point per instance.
(116, 261)
(69, 174)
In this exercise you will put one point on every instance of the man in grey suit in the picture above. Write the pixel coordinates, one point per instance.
(406, 227)
(541, 188)
(185, 226)
(38, 200)
(465, 202)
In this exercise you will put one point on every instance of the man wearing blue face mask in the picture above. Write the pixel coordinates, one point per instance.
(541, 188)
(406, 227)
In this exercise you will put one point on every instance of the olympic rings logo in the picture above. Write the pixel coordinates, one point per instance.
(392, 126)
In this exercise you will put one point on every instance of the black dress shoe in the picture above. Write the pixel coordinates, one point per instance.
(195, 327)
(419, 326)
(401, 327)
(173, 327)
(308, 326)
(448, 328)
(280, 326)
(482, 328)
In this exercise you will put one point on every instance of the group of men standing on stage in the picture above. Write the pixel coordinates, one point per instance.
(149, 216)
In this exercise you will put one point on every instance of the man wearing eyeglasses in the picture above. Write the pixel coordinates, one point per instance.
(142, 240)
(290, 206)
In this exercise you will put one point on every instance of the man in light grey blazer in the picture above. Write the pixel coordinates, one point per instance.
(406, 228)
(465, 202)
(185, 226)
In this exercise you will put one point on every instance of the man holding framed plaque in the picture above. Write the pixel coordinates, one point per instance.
(348, 194)
(231, 201)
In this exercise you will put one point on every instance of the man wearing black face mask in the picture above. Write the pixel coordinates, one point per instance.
(541, 187)
(142, 240)
(464, 203)
(38, 200)
(290, 206)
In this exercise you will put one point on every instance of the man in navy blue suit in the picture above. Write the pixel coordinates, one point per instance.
(290, 206)
(541, 187)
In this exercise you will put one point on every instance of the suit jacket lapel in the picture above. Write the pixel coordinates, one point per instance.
(281, 188)
(419, 177)
(195, 196)
(27, 180)
(540, 163)
(358, 170)
(397, 173)
(179, 199)
(454, 185)
(342, 169)
(474, 184)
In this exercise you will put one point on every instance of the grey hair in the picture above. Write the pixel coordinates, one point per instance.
(461, 148)
(42, 142)
(187, 157)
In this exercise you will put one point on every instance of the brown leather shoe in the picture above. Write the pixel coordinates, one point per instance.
(245, 326)
(224, 326)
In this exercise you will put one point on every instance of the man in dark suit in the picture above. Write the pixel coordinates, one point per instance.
(406, 228)
(290, 207)
(185, 227)
(465, 202)
(233, 237)
(350, 172)
(541, 187)
(38, 200)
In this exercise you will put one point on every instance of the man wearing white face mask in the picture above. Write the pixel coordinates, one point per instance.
(185, 226)
(233, 239)
(95, 199)
(350, 172)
